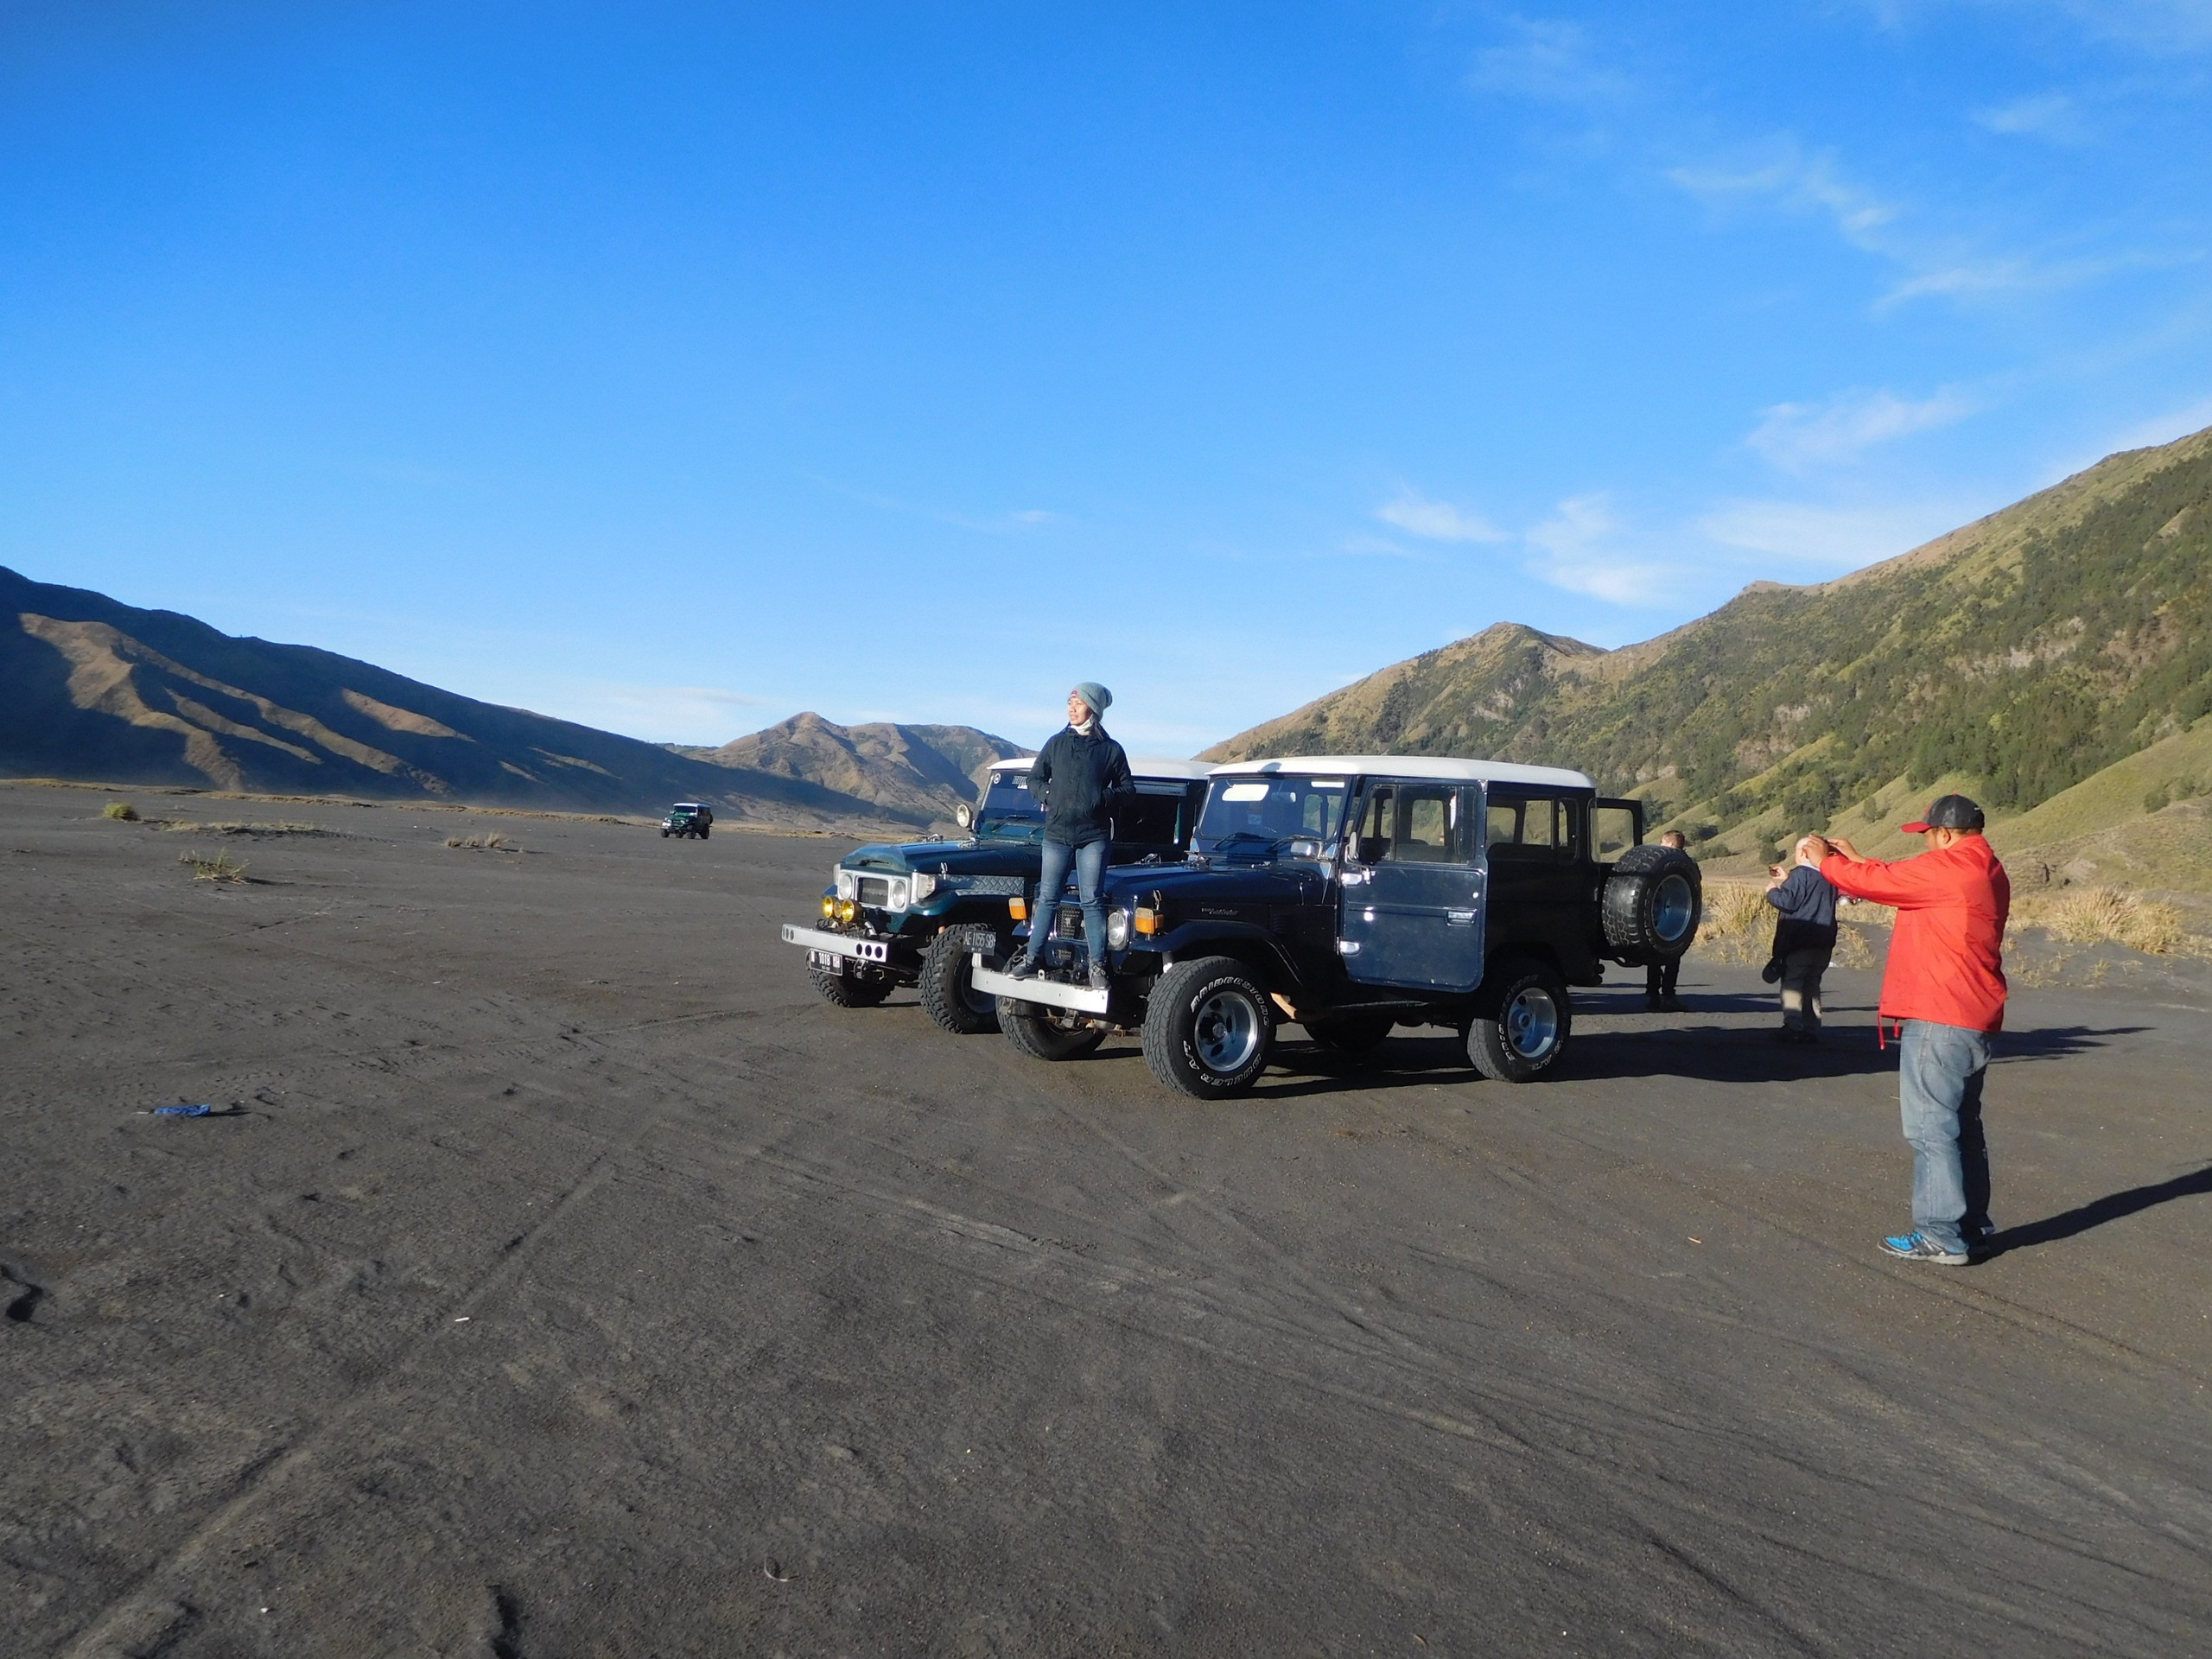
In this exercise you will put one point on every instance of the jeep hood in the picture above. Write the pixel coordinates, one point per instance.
(957, 857)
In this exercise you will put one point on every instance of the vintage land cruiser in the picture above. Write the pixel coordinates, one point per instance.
(1353, 893)
(688, 819)
(916, 912)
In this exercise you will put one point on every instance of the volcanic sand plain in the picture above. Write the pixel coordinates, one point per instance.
(558, 1275)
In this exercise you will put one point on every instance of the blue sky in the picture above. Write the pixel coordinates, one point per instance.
(676, 368)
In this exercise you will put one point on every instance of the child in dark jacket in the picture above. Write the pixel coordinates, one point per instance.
(1804, 940)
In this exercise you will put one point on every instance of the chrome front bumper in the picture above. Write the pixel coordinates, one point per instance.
(837, 944)
(1078, 999)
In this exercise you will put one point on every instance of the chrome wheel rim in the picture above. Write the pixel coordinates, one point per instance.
(1672, 906)
(1532, 1023)
(1226, 1031)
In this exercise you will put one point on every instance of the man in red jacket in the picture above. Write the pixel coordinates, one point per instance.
(1945, 987)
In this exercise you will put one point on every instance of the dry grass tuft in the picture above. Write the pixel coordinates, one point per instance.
(121, 811)
(221, 867)
(2109, 916)
(482, 843)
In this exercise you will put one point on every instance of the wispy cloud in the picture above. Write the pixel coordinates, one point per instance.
(2053, 117)
(1828, 540)
(1549, 60)
(1799, 436)
(1583, 550)
(1437, 521)
(1930, 262)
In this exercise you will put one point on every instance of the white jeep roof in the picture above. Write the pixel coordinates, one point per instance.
(1413, 766)
(1139, 766)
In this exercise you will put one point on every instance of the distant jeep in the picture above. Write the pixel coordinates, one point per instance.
(687, 818)
(917, 912)
(1353, 894)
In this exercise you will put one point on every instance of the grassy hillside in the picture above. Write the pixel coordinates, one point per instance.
(2018, 658)
(920, 772)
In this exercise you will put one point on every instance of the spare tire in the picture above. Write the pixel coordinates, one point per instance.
(1653, 901)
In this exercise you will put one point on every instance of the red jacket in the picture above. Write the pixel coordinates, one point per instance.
(1946, 959)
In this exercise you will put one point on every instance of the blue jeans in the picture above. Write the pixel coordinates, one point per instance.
(1089, 862)
(1940, 1079)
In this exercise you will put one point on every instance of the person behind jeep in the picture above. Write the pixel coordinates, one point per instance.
(1660, 977)
(1078, 776)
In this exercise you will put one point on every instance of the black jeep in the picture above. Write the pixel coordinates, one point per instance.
(916, 912)
(1351, 894)
(688, 819)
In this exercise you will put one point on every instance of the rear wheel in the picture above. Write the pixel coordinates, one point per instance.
(949, 995)
(1043, 1033)
(1208, 1027)
(859, 988)
(1522, 1023)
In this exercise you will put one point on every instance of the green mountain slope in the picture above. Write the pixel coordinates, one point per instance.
(2019, 658)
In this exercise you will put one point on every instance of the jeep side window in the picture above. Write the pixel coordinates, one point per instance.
(1147, 819)
(1536, 828)
(1615, 827)
(1429, 826)
(1377, 820)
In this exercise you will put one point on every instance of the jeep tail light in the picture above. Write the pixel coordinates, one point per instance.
(1148, 921)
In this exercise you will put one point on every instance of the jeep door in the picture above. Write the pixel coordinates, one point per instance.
(1411, 903)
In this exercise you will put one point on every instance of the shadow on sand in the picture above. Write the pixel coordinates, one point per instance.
(2112, 1207)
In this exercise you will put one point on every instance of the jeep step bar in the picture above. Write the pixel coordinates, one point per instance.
(1077, 999)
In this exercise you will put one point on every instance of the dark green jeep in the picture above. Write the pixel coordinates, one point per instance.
(916, 912)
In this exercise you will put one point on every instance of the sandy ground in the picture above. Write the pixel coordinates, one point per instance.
(561, 1277)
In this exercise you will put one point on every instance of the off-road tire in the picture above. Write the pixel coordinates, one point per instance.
(1208, 1028)
(861, 990)
(1042, 1032)
(703, 835)
(950, 1001)
(663, 834)
(1521, 1022)
(1354, 1036)
(1652, 904)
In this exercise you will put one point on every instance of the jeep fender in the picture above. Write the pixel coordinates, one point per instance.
(1253, 945)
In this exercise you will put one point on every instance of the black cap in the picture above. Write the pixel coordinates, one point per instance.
(1947, 812)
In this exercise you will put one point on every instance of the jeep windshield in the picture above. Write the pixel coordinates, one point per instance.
(1010, 812)
(1257, 817)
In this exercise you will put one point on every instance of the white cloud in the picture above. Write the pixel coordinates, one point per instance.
(1826, 540)
(1931, 264)
(2051, 116)
(1581, 541)
(1796, 437)
(1438, 521)
(1549, 60)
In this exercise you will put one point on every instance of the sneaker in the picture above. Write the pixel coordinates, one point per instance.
(1098, 978)
(1022, 967)
(1919, 1247)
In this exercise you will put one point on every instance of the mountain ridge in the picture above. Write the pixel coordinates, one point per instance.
(2024, 653)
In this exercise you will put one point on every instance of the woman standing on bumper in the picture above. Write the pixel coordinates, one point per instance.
(1078, 777)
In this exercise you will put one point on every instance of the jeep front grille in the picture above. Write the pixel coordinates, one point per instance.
(875, 890)
(1067, 922)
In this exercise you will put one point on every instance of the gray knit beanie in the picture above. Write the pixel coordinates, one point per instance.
(1096, 695)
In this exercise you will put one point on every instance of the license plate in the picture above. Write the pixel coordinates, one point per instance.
(829, 961)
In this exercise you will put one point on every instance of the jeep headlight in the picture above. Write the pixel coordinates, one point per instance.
(897, 892)
(848, 885)
(924, 885)
(1117, 930)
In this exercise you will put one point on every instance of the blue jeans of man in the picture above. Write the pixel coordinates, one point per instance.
(1089, 864)
(1940, 1077)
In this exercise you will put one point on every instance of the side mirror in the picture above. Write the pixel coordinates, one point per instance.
(1303, 847)
(964, 815)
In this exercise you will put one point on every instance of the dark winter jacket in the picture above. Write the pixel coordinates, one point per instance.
(1080, 780)
(1808, 906)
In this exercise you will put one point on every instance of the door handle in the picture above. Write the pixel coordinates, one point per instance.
(1459, 918)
